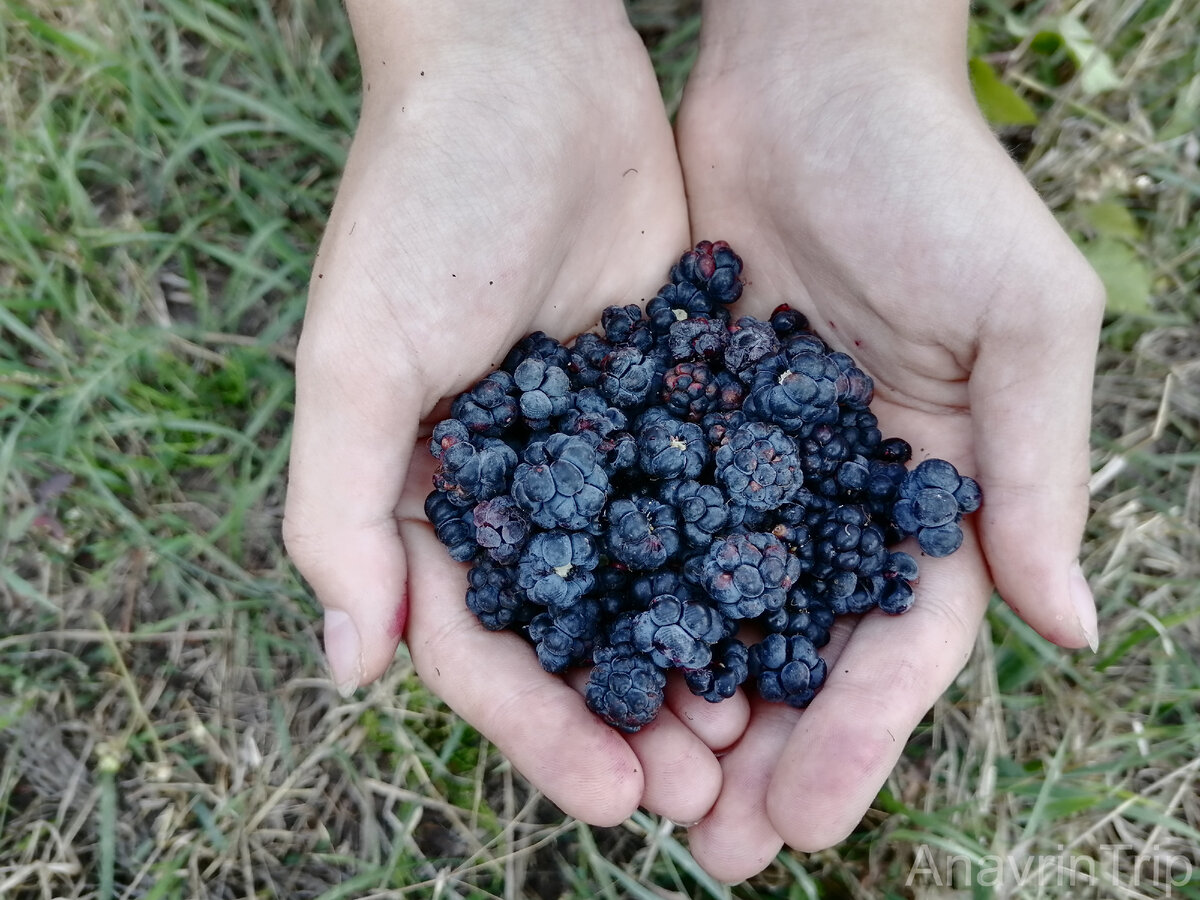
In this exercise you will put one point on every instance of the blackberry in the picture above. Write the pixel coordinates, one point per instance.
(566, 637)
(675, 303)
(625, 325)
(852, 478)
(748, 574)
(617, 453)
(787, 669)
(592, 417)
(625, 688)
(645, 587)
(787, 321)
(586, 361)
(561, 483)
(474, 470)
(629, 377)
(822, 452)
(933, 498)
(758, 465)
(453, 525)
(495, 599)
(894, 450)
(679, 633)
(719, 425)
(725, 672)
(502, 528)
(642, 533)
(847, 540)
(557, 568)
(750, 341)
(489, 407)
(702, 509)
(730, 392)
(545, 392)
(714, 268)
(860, 430)
(899, 574)
(699, 338)
(854, 386)
(539, 346)
(690, 390)
(669, 448)
(803, 614)
(796, 391)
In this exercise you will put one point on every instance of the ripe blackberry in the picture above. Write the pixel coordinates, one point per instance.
(629, 377)
(642, 533)
(748, 574)
(540, 346)
(719, 680)
(474, 470)
(894, 450)
(586, 360)
(855, 389)
(625, 688)
(502, 528)
(750, 341)
(758, 465)
(453, 525)
(566, 637)
(669, 448)
(787, 669)
(860, 430)
(805, 614)
(591, 416)
(696, 339)
(545, 392)
(702, 509)
(714, 268)
(675, 303)
(689, 390)
(679, 633)
(787, 321)
(822, 452)
(495, 599)
(489, 407)
(557, 568)
(719, 425)
(561, 483)
(899, 574)
(847, 540)
(625, 325)
(933, 498)
(797, 391)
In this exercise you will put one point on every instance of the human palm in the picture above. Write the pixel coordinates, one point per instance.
(885, 210)
(484, 198)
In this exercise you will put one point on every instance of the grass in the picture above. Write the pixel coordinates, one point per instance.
(166, 727)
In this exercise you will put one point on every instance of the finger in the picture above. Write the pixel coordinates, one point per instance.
(890, 673)
(718, 725)
(737, 840)
(682, 777)
(494, 681)
(353, 434)
(1031, 401)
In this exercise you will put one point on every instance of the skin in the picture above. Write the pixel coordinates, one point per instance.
(529, 178)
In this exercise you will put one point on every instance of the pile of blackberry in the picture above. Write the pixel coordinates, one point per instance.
(630, 500)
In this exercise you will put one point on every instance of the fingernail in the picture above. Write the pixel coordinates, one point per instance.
(343, 650)
(1085, 606)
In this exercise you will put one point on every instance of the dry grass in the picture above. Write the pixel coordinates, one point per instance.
(166, 727)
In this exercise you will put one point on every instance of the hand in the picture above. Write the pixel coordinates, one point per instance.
(839, 150)
(513, 171)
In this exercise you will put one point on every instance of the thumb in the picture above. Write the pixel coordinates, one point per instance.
(352, 441)
(1030, 394)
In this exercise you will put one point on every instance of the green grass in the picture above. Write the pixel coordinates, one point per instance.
(166, 726)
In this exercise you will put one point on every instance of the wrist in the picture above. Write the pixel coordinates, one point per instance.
(830, 40)
(400, 41)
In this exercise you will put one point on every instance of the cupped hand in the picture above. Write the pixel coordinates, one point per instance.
(513, 171)
(853, 172)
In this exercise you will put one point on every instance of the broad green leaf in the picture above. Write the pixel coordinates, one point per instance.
(1096, 71)
(1110, 218)
(1125, 276)
(1000, 104)
(1185, 116)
